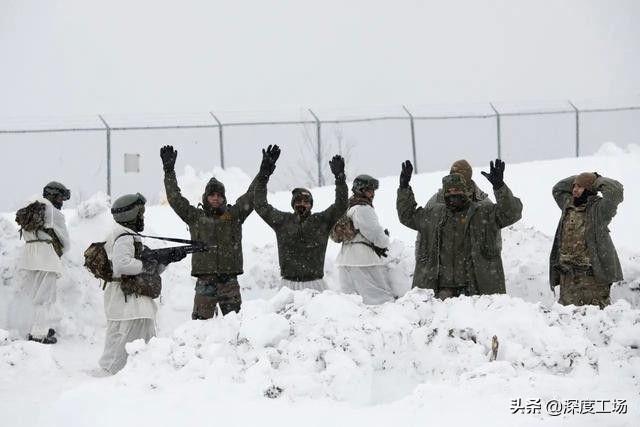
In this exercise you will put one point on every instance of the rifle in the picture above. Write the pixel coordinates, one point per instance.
(166, 256)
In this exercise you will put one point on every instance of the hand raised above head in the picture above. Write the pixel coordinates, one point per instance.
(168, 156)
(496, 174)
(405, 174)
(337, 165)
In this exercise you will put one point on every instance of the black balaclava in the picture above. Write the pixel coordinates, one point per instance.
(456, 202)
(137, 225)
(56, 201)
(579, 201)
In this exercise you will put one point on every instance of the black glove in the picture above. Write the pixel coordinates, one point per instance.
(496, 174)
(149, 266)
(175, 255)
(269, 159)
(405, 175)
(381, 252)
(168, 156)
(337, 166)
(386, 231)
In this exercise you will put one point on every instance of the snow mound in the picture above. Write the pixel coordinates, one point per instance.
(302, 345)
(331, 345)
(94, 206)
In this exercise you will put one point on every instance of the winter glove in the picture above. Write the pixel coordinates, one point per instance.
(269, 159)
(496, 174)
(168, 156)
(149, 266)
(337, 167)
(177, 255)
(405, 175)
(163, 256)
(381, 252)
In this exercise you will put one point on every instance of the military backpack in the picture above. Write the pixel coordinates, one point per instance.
(98, 263)
(31, 217)
(343, 230)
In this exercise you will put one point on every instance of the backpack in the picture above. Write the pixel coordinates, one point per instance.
(343, 230)
(97, 262)
(31, 217)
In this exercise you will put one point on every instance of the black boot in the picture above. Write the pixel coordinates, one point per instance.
(51, 332)
(45, 340)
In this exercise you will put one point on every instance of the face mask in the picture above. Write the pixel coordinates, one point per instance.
(301, 210)
(579, 201)
(456, 202)
(138, 226)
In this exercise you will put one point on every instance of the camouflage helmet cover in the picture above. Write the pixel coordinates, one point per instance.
(127, 208)
(55, 188)
(364, 182)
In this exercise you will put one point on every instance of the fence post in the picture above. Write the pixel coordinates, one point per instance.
(221, 138)
(319, 141)
(498, 130)
(577, 127)
(106, 125)
(413, 139)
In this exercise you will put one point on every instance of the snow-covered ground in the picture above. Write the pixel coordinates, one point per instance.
(299, 357)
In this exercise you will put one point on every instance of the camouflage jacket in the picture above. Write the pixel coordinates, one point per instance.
(302, 243)
(600, 210)
(483, 223)
(478, 195)
(223, 233)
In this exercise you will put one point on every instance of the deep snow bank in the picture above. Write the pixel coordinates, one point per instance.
(329, 347)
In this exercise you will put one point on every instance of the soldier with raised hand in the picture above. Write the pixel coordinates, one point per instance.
(584, 261)
(219, 225)
(460, 247)
(41, 264)
(302, 235)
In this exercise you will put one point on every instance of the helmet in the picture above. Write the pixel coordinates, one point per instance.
(126, 208)
(364, 182)
(56, 189)
(301, 193)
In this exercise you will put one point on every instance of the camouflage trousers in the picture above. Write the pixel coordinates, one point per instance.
(583, 289)
(211, 292)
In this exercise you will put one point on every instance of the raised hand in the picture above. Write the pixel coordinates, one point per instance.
(496, 174)
(337, 166)
(269, 159)
(168, 156)
(405, 175)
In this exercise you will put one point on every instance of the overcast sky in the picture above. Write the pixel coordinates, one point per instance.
(85, 57)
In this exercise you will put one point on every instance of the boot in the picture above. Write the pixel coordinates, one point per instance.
(44, 340)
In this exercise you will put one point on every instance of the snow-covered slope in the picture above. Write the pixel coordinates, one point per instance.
(329, 358)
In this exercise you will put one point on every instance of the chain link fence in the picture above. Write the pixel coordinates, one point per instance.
(117, 154)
